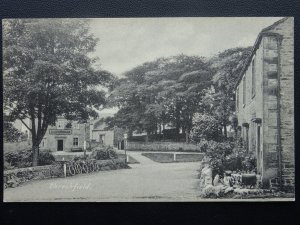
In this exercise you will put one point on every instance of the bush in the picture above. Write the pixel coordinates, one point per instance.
(46, 158)
(204, 145)
(228, 156)
(218, 152)
(205, 127)
(23, 158)
(103, 153)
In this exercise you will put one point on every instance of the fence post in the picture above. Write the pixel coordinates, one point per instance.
(65, 169)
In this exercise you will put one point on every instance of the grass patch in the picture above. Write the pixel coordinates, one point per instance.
(169, 157)
(130, 159)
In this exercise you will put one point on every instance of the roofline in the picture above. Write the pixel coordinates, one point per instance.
(264, 32)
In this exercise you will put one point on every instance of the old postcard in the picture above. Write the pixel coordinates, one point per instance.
(148, 109)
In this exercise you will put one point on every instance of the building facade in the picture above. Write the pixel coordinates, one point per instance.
(265, 104)
(100, 134)
(65, 136)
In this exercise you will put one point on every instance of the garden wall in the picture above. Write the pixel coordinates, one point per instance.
(163, 146)
(16, 177)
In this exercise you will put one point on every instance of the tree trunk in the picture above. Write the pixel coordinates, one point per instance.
(187, 135)
(35, 153)
(147, 137)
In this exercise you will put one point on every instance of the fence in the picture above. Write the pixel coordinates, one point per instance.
(163, 146)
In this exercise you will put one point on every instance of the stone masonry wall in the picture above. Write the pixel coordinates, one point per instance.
(270, 118)
(286, 99)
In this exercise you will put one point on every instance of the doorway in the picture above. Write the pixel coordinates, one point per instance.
(60, 145)
(259, 152)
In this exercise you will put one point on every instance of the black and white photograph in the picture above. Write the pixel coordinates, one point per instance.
(153, 109)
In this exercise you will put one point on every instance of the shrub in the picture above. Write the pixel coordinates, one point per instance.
(205, 127)
(229, 156)
(46, 158)
(102, 153)
(23, 158)
(204, 145)
(218, 153)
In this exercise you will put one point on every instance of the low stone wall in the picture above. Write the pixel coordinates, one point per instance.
(163, 146)
(15, 177)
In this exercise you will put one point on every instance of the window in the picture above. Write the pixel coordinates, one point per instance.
(244, 91)
(75, 141)
(60, 124)
(237, 98)
(253, 77)
(76, 126)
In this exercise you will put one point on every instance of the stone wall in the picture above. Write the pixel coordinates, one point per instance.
(16, 177)
(273, 102)
(270, 106)
(162, 146)
(286, 100)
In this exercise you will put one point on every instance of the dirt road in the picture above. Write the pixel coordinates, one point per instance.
(147, 181)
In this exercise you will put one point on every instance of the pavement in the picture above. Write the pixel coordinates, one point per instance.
(146, 181)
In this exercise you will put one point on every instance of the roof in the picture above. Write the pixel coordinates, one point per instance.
(255, 47)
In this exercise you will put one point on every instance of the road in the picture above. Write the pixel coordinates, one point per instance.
(147, 181)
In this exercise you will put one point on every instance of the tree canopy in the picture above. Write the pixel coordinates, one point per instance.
(172, 90)
(48, 72)
(165, 91)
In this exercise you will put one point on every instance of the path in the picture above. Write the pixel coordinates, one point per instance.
(147, 181)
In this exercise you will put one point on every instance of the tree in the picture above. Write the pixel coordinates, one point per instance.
(10, 133)
(48, 73)
(227, 66)
(167, 90)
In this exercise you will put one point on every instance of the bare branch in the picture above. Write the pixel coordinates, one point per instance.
(26, 125)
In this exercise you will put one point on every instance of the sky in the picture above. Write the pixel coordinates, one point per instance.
(128, 42)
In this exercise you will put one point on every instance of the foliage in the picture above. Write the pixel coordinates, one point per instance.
(205, 127)
(164, 91)
(21, 159)
(48, 72)
(104, 153)
(46, 158)
(10, 133)
(227, 156)
(227, 66)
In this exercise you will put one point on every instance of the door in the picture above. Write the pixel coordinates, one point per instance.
(122, 145)
(259, 152)
(102, 138)
(60, 145)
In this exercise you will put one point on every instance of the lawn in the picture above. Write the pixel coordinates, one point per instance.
(169, 157)
(130, 159)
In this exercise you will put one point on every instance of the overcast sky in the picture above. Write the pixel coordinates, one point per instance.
(128, 42)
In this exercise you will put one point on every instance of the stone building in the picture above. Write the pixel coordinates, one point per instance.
(100, 133)
(265, 103)
(65, 136)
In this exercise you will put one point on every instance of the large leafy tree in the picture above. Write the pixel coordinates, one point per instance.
(167, 90)
(48, 72)
(226, 66)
